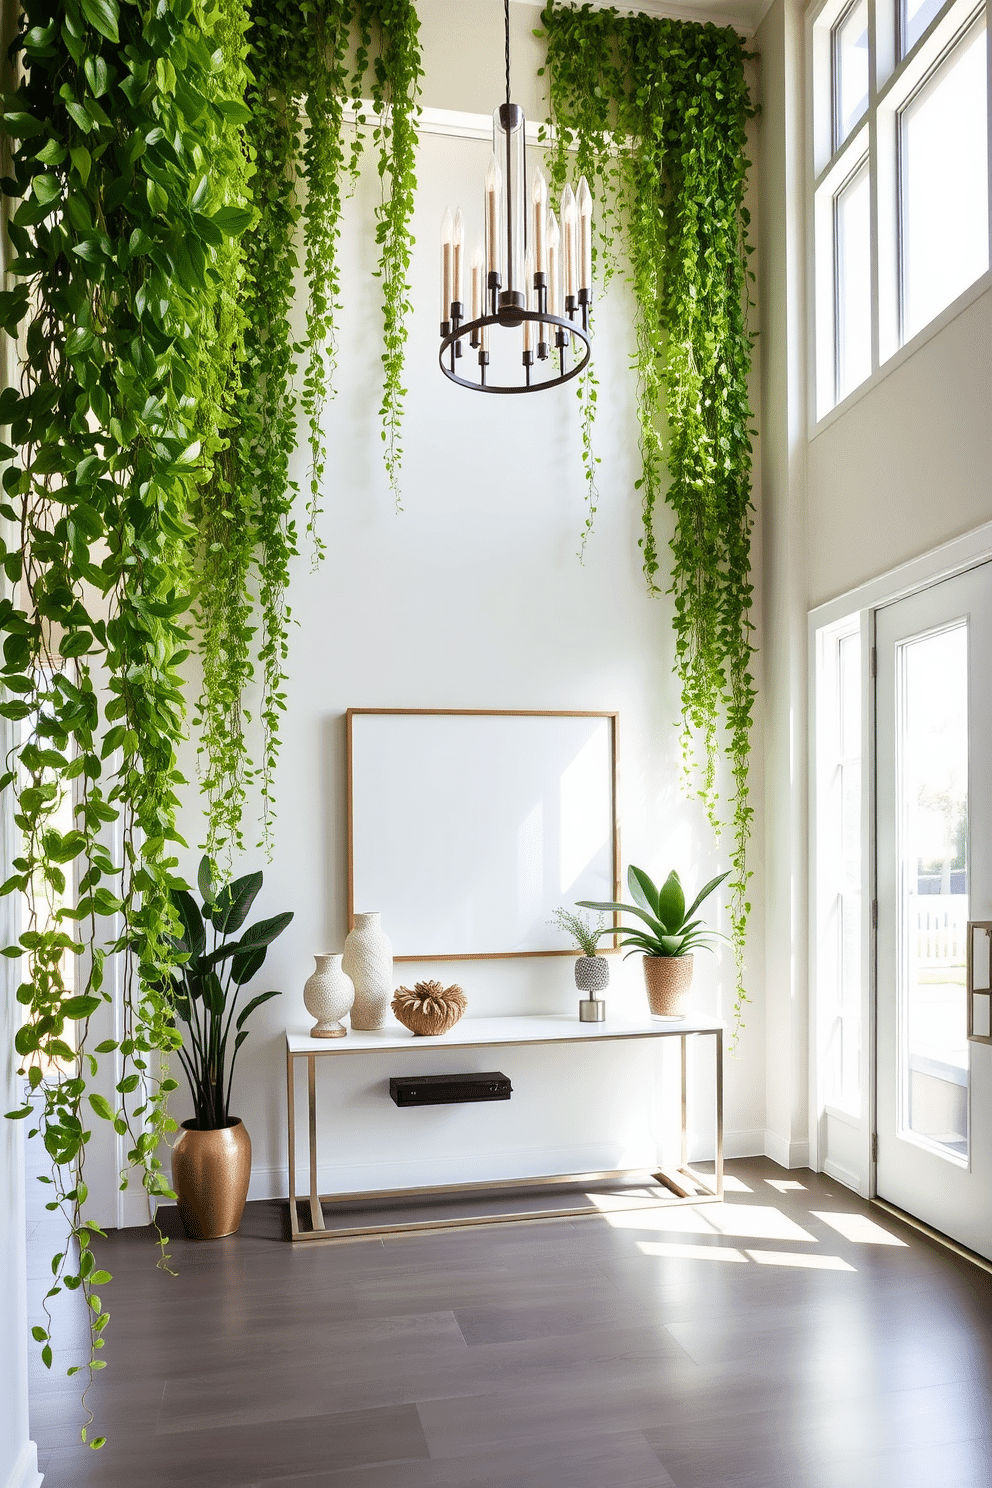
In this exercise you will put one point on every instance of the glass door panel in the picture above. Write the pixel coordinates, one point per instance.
(932, 876)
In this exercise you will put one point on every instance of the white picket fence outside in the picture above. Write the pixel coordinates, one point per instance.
(940, 934)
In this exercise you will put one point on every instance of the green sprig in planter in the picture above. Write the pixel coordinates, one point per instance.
(666, 933)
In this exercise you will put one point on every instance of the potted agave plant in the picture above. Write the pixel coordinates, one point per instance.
(667, 935)
(211, 1160)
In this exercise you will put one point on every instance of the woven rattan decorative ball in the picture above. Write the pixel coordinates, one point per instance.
(429, 1009)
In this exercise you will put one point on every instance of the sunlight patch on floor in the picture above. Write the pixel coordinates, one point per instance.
(798, 1258)
(690, 1252)
(857, 1227)
(757, 1220)
(786, 1185)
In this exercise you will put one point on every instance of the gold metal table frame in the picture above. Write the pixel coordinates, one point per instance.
(685, 1184)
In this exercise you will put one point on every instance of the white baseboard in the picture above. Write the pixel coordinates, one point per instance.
(842, 1175)
(25, 1473)
(787, 1154)
(744, 1143)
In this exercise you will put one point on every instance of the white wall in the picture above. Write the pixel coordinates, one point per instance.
(906, 466)
(784, 588)
(474, 597)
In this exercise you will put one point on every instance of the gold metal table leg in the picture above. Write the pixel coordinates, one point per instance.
(316, 1213)
(294, 1218)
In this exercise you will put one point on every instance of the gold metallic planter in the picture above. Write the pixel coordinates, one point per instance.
(668, 980)
(210, 1173)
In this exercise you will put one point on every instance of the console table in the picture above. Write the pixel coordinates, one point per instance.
(685, 1185)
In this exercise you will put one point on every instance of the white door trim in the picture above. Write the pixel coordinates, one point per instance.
(956, 556)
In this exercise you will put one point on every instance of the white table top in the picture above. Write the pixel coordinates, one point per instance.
(471, 1033)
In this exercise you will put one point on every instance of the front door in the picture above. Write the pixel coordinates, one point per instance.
(934, 872)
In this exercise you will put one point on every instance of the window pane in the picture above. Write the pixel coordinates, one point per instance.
(916, 17)
(850, 55)
(852, 237)
(944, 150)
(932, 807)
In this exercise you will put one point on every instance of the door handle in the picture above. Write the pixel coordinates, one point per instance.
(980, 981)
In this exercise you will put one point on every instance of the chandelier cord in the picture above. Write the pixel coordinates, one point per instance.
(506, 14)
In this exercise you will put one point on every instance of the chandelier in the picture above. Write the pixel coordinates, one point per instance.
(534, 279)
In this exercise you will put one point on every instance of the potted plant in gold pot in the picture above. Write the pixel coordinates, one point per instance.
(667, 936)
(211, 1161)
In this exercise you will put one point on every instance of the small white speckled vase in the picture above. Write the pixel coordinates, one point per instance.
(328, 995)
(368, 960)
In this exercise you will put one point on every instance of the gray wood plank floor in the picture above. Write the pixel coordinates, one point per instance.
(792, 1337)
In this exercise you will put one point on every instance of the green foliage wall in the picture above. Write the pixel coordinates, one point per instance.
(308, 63)
(156, 153)
(657, 110)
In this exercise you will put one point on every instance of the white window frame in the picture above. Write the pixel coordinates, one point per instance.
(892, 82)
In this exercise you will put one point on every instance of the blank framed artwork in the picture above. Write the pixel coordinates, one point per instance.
(468, 828)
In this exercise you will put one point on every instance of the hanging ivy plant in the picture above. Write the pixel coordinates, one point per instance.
(124, 168)
(301, 83)
(657, 110)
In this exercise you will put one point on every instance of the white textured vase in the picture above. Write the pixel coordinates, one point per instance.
(368, 960)
(328, 995)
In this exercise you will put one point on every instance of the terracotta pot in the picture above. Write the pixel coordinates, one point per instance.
(668, 980)
(210, 1173)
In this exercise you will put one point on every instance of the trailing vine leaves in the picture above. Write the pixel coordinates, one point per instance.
(658, 110)
(301, 83)
(121, 137)
(395, 87)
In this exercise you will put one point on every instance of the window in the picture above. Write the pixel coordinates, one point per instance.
(901, 120)
(838, 863)
(849, 44)
(943, 152)
(852, 286)
(914, 18)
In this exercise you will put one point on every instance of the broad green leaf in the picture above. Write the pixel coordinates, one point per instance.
(103, 16)
(234, 901)
(246, 965)
(194, 934)
(265, 932)
(250, 1007)
(705, 892)
(642, 889)
(671, 903)
(80, 1007)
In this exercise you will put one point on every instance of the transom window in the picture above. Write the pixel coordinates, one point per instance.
(901, 176)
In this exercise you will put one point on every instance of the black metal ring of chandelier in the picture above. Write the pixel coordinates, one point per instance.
(565, 328)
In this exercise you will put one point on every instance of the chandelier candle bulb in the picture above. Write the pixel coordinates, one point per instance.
(554, 266)
(529, 325)
(477, 266)
(568, 227)
(583, 202)
(540, 195)
(447, 232)
(457, 246)
(494, 184)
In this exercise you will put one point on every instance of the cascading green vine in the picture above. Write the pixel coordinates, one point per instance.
(657, 110)
(301, 82)
(122, 152)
